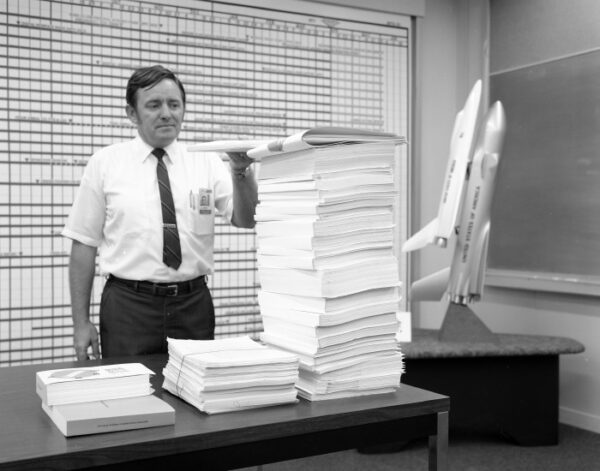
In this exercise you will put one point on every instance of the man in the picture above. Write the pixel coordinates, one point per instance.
(156, 257)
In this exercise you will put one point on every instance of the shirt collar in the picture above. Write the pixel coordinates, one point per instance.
(142, 150)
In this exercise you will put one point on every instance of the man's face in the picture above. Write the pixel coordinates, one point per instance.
(158, 113)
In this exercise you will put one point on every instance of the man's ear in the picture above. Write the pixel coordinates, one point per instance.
(131, 114)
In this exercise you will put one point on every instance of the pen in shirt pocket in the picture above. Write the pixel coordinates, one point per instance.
(192, 201)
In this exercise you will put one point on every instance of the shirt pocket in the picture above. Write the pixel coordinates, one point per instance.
(201, 211)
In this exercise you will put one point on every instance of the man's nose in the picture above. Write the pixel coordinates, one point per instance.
(165, 112)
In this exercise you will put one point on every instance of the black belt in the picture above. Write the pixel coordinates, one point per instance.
(162, 289)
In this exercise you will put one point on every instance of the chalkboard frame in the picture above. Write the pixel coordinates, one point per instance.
(545, 221)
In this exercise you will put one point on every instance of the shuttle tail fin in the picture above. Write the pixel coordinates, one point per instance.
(431, 287)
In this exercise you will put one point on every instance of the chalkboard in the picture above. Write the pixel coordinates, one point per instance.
(545, 223)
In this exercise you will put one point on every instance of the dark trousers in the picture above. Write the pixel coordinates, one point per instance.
(138, 323)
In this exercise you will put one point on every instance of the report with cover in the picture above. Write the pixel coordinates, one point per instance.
(320, 136)
(84, 418)
(101, 398)
(93, 383)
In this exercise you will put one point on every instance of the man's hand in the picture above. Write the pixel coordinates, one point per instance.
(84, 336)
(239, 162)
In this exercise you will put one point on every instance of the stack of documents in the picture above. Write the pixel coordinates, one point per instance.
(230, 374)
(346, 345)
(329, 278)
(103, 398)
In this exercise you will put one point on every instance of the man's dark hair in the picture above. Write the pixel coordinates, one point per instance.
(145, 77)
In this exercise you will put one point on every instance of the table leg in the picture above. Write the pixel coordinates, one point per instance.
(438, 445)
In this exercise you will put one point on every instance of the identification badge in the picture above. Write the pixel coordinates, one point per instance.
(204, 201)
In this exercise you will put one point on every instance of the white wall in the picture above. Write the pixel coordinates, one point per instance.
(525, 33)
(576, 317)
(446, 75)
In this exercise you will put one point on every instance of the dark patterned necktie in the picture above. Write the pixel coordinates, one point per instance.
(171, 245)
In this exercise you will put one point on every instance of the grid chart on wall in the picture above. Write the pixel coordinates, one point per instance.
(249, 71)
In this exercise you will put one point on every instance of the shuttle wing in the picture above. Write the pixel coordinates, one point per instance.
(424, 237)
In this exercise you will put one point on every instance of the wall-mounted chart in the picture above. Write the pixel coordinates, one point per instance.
(251, 72)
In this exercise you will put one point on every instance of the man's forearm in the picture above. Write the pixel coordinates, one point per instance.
(82, 267)
(245, 198)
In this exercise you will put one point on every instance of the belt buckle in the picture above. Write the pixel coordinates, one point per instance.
(172, 290)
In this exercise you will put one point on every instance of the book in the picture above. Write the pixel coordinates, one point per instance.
(330, 181)
(375, 374)
(234, 402)
(362, 246)
(335, 184)
(316, 319)
(330, 283)
(315, 304)
(327, 225)
(324, 387)
(279, 210)
(387, 363)
(327, 337)
(321, 359)
(246, 379)
(227, 145)
(328, 244)
(307, 260)
(328, 162)
(323, 136)
(350, 392)
(328, 196)
(290, 327)
(93, 383)
(110, 415)
(224, 353)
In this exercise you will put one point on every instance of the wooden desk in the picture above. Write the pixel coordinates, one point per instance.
(509, 387)
(29, 439)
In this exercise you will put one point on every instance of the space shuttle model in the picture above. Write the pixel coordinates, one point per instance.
(464, 218)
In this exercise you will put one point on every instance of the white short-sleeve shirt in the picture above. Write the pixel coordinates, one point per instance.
(117, 209)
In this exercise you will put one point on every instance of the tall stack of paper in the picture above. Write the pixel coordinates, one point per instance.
(329, 277)
(230, 374)
(104, 398)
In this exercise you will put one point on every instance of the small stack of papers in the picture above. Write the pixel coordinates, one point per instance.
(103, 398)
(329, 277)
(230, 374)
